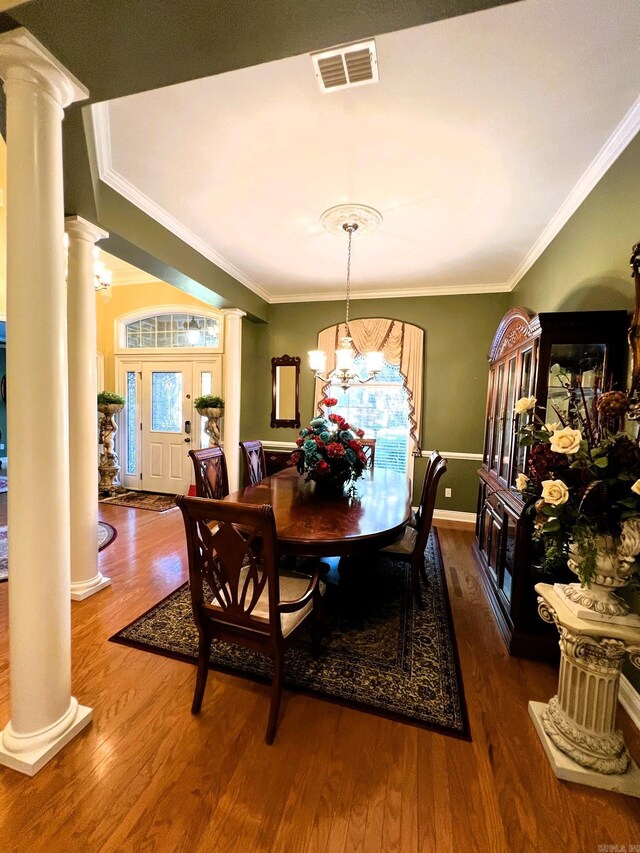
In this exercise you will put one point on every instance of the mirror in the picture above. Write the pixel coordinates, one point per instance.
(285, 374)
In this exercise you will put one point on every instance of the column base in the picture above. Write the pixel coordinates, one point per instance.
(31, 762)
(567, 769)
(80, 591)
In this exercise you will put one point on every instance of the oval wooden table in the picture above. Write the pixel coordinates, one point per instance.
(310, 523)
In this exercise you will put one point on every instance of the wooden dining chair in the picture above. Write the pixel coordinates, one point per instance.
(255, 465)
(411, 547)
(428, 474)
(368, 446)
(210, 468)
(237, 594)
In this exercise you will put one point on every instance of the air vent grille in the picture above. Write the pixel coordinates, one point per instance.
(346, 66)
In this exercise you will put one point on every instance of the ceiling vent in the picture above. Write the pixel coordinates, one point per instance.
(346, 66)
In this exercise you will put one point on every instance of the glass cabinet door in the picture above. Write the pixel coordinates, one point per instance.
(573, 366)
(498, 419)
(525, 390)
(509, 419)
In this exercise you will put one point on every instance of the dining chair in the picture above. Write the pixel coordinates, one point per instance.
(428, 474)
(210, 468)
(368, 446)
(237, 594)
(255, 465)
(411, 546)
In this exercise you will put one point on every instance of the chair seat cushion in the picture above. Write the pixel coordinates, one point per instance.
(404, 545)
(292, 586)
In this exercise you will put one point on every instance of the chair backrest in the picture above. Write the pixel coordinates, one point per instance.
(428, 474)
(426, 510)
(232, 560)
(210, 468)
(255, 465)
(368, 446)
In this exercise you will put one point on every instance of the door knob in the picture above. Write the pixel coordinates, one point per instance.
(187, 441)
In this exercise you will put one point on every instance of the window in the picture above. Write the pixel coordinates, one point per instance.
(132, 464)
(171, 331)
(381, 409)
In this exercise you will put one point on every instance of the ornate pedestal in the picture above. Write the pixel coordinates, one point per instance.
(109, 466)
(212, 428)
(577, 726)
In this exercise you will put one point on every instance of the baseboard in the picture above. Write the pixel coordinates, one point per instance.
(630, 700)
(466, 518)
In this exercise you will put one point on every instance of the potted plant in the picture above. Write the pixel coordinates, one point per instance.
(110, 403)
(211, 407)
(582, 486)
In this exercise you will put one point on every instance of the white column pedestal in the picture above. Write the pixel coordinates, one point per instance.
(232, 390)
(44, 715)
(86, 579)
(577, 727)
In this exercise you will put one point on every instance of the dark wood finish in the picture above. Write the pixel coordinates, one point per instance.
(424, 517)
(210, 468)
(232, 552)
(277, 460)
(285, 361)
(634, 339)
(520, 358)
(255, 466)
(368, 446)
(312, 523)
(145, 775)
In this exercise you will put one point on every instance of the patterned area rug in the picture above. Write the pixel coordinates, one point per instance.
(396, 660)
(142, 500)
(3, 484)
(106, 534)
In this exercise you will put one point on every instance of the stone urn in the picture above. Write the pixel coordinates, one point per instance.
(213, 415)
(109, 467)
(615, 563)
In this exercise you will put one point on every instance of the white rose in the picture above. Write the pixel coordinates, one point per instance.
(521, 482)
(524, 404)
(566, 440)
(636, 487)
(554, 492)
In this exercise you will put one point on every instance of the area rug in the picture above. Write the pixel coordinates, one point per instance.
(106, 534)
(3, 485)
(395, 660)
(142, 500)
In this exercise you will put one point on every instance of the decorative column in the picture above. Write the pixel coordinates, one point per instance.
(577, 726)
(232, 388)
(44, 715)
(83, 390)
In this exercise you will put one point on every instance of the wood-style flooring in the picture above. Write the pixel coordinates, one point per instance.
(147, 776)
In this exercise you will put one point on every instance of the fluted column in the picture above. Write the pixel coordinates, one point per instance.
(232, 390)
(578, 725)
(44, 714)
(83, 424)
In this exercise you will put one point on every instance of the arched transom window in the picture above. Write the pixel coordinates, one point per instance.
(173, 331)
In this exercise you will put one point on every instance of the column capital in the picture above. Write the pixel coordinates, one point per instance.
(22, 57)
(234, 312)
(76, 226)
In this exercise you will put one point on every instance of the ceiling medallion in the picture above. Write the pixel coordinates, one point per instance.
(367, 219)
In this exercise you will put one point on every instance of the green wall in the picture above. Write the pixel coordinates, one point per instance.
(586, 267)
(458, 333)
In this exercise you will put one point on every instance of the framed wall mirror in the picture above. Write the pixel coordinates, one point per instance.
(285, 399)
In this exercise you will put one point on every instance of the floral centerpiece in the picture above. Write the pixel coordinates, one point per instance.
(583, 487)
(328, 449)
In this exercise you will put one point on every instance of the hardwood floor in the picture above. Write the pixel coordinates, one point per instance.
(147, 776)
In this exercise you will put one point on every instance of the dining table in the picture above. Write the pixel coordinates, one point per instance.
(312, 522)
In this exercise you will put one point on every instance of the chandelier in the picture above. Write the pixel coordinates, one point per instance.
(349, 219)
(101, 275)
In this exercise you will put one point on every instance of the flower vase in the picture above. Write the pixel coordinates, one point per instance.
(330, 485)
(615, 563)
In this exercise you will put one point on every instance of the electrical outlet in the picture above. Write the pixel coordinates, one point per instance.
(447, 493)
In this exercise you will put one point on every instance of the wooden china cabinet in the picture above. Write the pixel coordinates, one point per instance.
(591, 348)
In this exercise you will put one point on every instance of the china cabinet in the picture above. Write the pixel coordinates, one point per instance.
(590, 349)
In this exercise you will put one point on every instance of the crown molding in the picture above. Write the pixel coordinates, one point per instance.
(604, 159)
(394, 293)
(112, 178)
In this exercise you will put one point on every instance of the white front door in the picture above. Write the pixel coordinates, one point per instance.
(167, 407)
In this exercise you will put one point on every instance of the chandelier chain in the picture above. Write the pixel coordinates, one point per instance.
(349, 228)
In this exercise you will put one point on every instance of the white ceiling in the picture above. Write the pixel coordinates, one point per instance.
(483, 135)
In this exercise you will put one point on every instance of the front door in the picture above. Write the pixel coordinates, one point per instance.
(167, 406)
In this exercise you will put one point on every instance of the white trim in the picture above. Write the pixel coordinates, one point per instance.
(126, 189)
(394, 293)
(604, 159)
(630, 700)
(279, 445)
(455, 515)
(452, 454)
